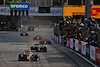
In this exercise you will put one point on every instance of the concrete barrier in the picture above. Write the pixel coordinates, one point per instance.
(82, 47)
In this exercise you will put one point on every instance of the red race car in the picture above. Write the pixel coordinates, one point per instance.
(24, 34)
(37, 38)
(31, 28)
(28, 56)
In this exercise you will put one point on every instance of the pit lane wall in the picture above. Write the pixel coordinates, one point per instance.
(81, 47)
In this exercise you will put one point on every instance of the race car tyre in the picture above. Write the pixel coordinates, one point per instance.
(34, 39)
(40, 38)
(26, 34)
(34, 48)
(41, 42)
(50, 43)
(45, 49)
(21, 34)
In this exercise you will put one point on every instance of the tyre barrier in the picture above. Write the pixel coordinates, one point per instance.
(81, 47)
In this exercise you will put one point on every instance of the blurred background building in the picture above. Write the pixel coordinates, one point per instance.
(55, 10)
(37, 3)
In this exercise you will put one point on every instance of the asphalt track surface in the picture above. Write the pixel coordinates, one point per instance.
(12, 44)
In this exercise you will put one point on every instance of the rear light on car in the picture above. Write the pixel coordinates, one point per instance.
(23, 33)
(32, 60)
(37, 37)
(19, 58)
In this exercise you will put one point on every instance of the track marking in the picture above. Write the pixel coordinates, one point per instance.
(67, 56)
(78, 55)
(4, 61)
(82, 57)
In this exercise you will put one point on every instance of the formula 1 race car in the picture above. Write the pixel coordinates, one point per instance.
(31, 28)
(28, 56)
(39, 48)
(45, 41)
(24, 34)
(37, 38)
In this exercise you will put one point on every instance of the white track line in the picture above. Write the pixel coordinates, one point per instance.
(82, 57)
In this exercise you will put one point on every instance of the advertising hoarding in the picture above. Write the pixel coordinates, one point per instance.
(71, 43)
(98, 55)
(33, 11)
(88, 51)
(76, 45)
(19, 6)
(72, 10)
(80, 46)
(95, 12)
(83, 48)
(92, 52)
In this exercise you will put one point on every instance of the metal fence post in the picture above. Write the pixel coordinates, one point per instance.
(87, 15)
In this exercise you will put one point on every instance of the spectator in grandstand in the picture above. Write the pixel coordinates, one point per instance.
(63, 37)
(86, 39)
(89, 40)
(65, 40)
(81, 24)
(96, 35)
